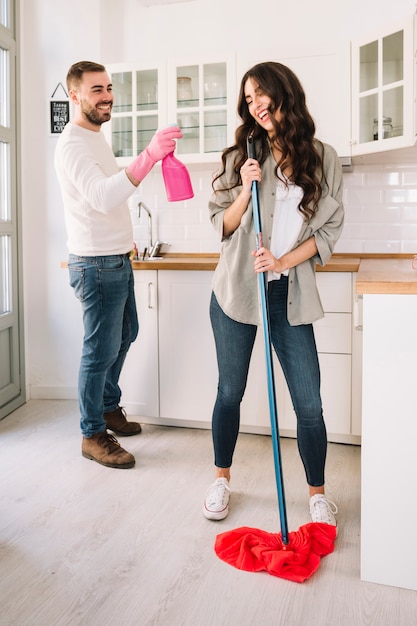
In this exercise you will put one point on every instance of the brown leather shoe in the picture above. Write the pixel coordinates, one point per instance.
(117, 422)
(106, 450)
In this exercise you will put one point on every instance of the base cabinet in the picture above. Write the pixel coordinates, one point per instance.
(170, 376)
(139, 380)
(389, 460)
(339, 344)
(187, 357)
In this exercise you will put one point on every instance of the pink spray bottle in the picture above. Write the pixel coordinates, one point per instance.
(177, 179)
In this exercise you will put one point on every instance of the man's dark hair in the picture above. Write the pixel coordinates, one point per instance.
(76, 71)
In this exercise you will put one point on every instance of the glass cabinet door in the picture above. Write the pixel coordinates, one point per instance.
(147, 107)
(122, 114)
(201, 99)
(135, 115)
(383, 87)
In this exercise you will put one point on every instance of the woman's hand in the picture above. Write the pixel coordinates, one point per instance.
(250, 171)
(232, 217)
(266, 262)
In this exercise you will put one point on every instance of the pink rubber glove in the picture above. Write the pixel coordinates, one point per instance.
(161, 144)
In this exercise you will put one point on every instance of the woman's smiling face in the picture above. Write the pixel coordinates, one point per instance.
(259, 106)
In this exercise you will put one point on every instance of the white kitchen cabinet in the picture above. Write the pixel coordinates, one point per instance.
(139, 378)
(199, 96)
(339, 350)
(139, 108)
(170, 376)
(187, 357)
(202, 100)
(338, 346)
(389, 460)
(384, 89)
(324, 72)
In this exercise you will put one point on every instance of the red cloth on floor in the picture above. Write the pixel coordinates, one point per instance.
(255, 550)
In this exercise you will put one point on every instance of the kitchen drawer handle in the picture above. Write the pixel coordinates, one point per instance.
(358, 312)
(150, 294)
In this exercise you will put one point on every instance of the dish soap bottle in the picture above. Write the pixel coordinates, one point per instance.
(177, 179)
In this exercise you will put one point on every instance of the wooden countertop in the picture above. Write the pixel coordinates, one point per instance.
(386, 276)
(376, 273)
(179, 261)
(207, 262)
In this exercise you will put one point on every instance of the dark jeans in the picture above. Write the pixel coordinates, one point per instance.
(296, 349)
(105, 287)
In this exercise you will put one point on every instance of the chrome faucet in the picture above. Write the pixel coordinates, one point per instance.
(143, 206)
(156, 248)
(153, 248)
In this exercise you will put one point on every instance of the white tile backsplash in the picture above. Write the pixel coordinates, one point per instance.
(380, 211)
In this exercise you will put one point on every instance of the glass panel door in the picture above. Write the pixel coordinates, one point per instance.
(201, 107)
(12, 390)
(381, 88)
(135, 115)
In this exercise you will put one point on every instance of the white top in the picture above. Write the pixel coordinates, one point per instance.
(94, 192)
(287, 221)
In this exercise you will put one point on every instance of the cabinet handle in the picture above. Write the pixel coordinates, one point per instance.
(358, 312)
(150, 294)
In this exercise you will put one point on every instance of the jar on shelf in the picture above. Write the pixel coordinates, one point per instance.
(386, 128)
(184, 89)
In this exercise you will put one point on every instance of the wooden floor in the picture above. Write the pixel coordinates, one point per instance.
(84, 545)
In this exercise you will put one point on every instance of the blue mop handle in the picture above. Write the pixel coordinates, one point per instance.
(262, 276)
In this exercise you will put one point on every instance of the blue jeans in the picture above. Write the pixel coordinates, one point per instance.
(105, 287)
(296, 349)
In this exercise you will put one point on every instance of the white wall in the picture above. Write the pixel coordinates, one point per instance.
(380, 200)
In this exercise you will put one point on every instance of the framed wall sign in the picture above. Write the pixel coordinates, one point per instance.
(59, 112)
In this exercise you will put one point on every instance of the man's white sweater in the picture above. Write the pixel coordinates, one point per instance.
(94, 192)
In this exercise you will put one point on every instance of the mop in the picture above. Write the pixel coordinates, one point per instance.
(291, 555)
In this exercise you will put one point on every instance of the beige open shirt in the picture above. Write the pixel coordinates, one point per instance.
(235, 282)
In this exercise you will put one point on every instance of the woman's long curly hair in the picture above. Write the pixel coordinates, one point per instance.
(294, 134)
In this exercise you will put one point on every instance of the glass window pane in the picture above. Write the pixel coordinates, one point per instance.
(368, 111)
(392, 110)
(5, 282)
(122, 136)
(368, 66)
(215, 131)
(4, 88)
(5, 207)
(6, 342)
(5, 13)
(187, 86)
(393, 58)
(122, 89)
(215, 84)
(147, 90)
(145, 131)
(190, 126)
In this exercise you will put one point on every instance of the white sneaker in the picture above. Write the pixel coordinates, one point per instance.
(216, 504)
(323, 510)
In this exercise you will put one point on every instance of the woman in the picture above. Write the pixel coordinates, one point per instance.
(300, 187)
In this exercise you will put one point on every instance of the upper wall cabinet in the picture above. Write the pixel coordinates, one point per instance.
(202, 101)
(324, 72)
(383, 90)
(198, 96)
(139, 109)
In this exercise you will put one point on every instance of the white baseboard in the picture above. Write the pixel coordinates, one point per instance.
(51, 393)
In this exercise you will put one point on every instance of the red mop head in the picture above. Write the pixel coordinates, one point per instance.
(255, 550)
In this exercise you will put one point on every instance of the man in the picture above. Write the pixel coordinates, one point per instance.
(100, 238)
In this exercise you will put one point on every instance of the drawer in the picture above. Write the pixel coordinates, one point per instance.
(335, 290)
(334, 333)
